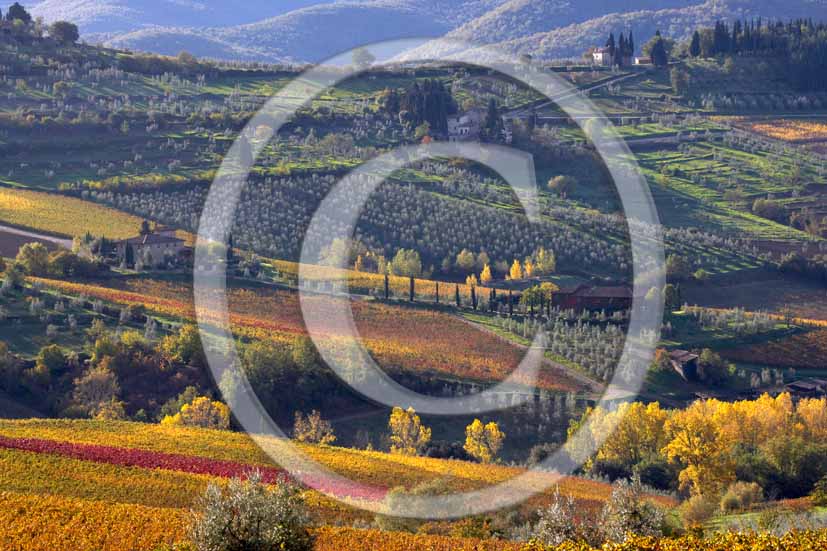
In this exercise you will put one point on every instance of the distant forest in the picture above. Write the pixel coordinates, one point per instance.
(800, 44)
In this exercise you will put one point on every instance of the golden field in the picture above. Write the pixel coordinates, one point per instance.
(788, 130)
(65, 216)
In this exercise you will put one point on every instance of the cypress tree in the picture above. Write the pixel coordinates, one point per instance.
(129, 255)
(411, 297)
(473, 298)
(387, 287)
(695, 47)
(456, 291)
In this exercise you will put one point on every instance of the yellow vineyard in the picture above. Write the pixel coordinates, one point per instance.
(61, 215)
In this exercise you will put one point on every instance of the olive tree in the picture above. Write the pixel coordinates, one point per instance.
(248, 515)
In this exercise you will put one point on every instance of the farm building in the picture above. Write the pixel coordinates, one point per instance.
(808, 388)
(603, 57)
(153, 248)
(584, 297)
(465, 127)
(685, 363)
(643, 60)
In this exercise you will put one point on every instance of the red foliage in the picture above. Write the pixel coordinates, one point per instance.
(132, 457)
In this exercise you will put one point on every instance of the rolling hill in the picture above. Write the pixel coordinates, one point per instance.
(118, 16)
(263, 31)
(308, 31)
(553, 30)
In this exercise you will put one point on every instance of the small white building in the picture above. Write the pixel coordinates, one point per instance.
(603, 57)
(465, 127)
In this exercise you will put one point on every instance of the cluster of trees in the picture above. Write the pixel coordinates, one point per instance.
(800, 46)
(622, 50)
(63, 32)
(408, 436)
(736, 320)
(427, 101)
(36, 260)
(116, 375)
(246, 513)
(708, 447)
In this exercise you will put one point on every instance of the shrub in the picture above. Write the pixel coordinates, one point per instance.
(396, 496)
(557, 522)
(696, 510)
(629, 512)
(741, 496)
(613, 470)
(250, 516)
(819, 493)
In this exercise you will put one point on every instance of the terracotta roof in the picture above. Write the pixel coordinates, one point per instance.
(605, 292)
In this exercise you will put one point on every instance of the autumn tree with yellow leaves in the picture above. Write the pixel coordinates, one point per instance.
(695, 443)
(408, 435)
(485, 276)
(201, 412)
(311, 428)
(483, 441)
(516, 271)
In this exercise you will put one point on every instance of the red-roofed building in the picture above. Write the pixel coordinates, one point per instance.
(584, 297)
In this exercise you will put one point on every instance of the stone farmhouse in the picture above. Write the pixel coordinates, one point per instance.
(154, 248)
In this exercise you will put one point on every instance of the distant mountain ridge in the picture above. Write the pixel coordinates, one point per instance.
(311, 31)
(120, 16)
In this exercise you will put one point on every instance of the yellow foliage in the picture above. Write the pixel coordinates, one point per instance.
(408, 435)
(49, 523)
(631, 432)
(485, 275)
(695, 441)
(812, 413)
(64, 215)
(201, 412)
(516, 271)
(483, 441)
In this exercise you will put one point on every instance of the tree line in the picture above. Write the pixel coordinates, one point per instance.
(800, 47)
